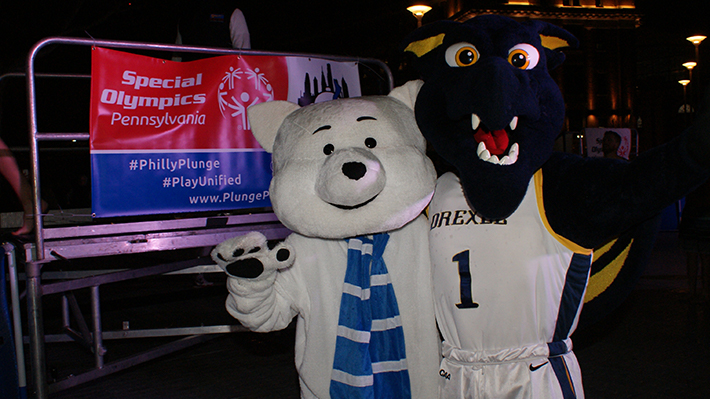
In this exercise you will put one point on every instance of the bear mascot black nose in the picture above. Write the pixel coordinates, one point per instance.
(354, 170)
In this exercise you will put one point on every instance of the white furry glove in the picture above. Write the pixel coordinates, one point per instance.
(252, 268)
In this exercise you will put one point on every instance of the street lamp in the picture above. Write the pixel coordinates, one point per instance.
(685, 109)
(689, 66)
(697, 84)
(418, 10)
(696, 40)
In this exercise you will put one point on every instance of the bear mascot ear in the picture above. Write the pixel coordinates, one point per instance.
(407, 93)
(266, 118)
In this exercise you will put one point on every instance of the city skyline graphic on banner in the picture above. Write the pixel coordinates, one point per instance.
(329, 88)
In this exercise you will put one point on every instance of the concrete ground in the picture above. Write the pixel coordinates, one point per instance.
(655, 345)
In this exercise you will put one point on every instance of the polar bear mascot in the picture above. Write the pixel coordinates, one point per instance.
(351, 179)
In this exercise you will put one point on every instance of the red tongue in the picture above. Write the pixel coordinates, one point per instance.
(496, 141)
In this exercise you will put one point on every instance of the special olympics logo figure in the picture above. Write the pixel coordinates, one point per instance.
(234, 99)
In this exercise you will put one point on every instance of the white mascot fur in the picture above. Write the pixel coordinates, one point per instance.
(344, 172)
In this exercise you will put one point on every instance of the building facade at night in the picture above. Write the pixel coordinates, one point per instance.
(598, 78)
(625, 72)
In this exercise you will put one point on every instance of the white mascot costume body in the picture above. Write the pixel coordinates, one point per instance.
(351, 179)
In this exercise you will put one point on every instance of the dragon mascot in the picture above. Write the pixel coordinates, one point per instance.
(513, 226)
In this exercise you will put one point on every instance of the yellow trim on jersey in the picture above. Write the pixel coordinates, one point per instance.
(602, 279)
(576, 248)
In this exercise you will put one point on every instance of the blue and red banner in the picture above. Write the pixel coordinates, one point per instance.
(172, 137)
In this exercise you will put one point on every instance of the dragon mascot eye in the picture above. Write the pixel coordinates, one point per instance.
(523, 56)
(461, 55)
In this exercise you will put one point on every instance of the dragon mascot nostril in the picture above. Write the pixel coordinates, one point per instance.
(512, 230)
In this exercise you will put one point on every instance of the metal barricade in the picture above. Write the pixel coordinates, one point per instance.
(8, 254)
(120, 238)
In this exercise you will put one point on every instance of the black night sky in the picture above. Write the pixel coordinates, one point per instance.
(363, 28)
(343, 27)
(366, 28)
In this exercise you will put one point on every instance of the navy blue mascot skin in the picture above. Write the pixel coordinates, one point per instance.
(512, 229)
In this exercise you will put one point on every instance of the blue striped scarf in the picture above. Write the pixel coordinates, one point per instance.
(370, 357)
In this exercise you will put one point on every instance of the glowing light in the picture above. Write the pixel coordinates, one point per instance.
(418, 10)
(690, 64)
(696, 39)
(684, 82)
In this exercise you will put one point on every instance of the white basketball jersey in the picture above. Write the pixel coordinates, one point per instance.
(499, 285)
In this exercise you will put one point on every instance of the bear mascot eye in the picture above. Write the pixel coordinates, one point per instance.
(370, 142)
(461, 55)
(328, 149)
(523, 56)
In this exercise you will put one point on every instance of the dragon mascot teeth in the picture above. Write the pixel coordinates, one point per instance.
(512, 228)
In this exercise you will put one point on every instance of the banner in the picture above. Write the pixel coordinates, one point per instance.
(594, 137)
(171, 137)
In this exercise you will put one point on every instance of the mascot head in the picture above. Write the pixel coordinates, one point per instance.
(346, 167)
(488, 105)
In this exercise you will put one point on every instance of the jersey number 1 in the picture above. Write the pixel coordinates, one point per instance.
(465, 276)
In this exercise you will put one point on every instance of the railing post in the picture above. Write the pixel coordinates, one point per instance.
(38, 385)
